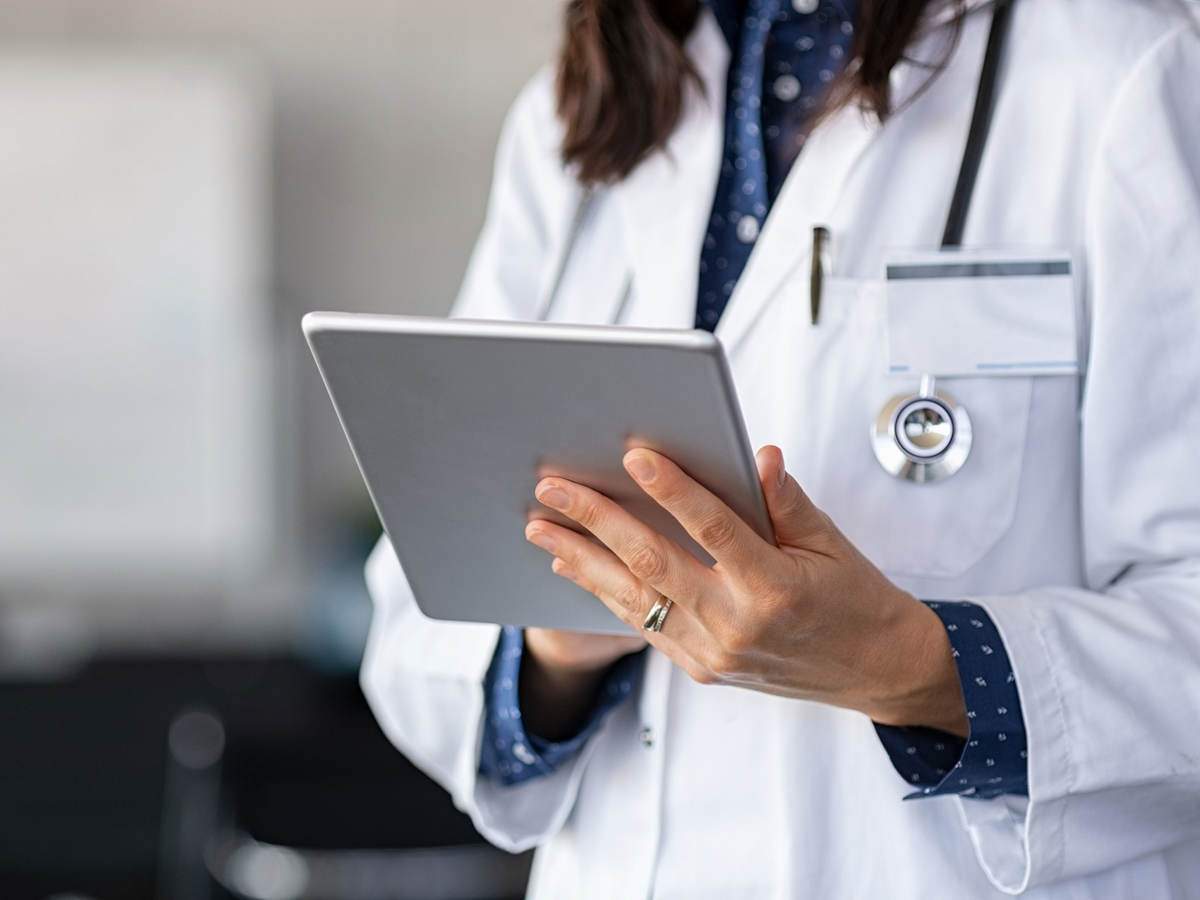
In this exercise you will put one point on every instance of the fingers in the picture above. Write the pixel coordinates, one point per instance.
(597, 570)
(795, 518)
(647, 555)
(712, 524)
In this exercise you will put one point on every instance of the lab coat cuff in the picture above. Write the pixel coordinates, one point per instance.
(518, 817)
(1017, 839)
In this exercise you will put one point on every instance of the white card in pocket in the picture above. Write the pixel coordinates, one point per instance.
(969, 312)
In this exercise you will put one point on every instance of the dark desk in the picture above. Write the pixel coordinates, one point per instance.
(82, 765)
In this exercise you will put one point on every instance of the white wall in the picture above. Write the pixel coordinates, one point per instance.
(135, 356)
(383, 121)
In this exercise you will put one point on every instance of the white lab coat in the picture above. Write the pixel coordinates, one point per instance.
(1075, 522)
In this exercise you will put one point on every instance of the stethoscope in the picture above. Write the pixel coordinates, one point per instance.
(920, 437)
(926, 436)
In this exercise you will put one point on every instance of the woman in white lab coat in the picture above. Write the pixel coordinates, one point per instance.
(749, 760)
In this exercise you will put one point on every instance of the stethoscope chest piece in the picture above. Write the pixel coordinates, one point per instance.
(922, 437)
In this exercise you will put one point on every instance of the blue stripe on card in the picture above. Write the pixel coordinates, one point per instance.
(1052, 364)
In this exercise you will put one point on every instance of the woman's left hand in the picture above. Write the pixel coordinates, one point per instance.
(810, 618)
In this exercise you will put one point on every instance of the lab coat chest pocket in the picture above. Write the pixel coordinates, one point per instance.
(830, 382)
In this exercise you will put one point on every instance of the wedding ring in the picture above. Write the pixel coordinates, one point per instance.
(658, 615)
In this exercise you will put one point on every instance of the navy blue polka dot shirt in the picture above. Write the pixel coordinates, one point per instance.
(510, 752)
(784, 56)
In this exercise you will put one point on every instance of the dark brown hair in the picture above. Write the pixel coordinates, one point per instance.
(623, 73)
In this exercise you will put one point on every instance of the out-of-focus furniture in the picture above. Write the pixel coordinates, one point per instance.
(304, 767)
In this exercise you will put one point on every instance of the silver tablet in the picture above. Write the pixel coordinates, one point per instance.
(453, 421)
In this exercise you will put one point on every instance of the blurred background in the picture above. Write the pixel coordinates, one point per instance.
(182, 527)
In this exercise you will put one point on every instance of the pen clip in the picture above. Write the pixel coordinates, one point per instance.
(820, 268)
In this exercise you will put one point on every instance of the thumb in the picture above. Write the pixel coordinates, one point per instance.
(793, 515)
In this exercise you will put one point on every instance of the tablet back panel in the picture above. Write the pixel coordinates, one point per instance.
(454, 421)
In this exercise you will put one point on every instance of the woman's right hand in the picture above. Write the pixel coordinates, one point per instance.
(560, 675)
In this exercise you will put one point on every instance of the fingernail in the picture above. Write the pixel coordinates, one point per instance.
(640, 468)
(558, 567)
(554, 497)
(540, 539)
(781, 475)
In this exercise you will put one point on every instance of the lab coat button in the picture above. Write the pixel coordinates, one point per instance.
(646, 736)
(805, 6)
(747, 229)
(786, 88)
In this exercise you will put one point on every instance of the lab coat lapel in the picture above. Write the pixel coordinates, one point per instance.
(813, 191)
(666, 201)
(808, 197)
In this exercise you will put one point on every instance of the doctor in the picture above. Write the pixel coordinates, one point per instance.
(970, 665)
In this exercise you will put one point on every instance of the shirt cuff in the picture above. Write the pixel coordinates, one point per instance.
(993, 759)
(509, 753)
